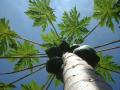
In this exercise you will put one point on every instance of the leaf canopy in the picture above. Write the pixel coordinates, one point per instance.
(24, 50)
(106, 12)
(57, 82)
(31, 86)
(4, 86)
(7, 37)
(50, 39)
(73, 29)
(41, 12)
(106, 66)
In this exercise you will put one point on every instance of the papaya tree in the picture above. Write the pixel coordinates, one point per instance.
(69, 62)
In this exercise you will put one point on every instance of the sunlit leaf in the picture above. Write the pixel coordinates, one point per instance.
(7, 37)
(24, 50)
(106, 66)
(4, 86)
(57, 82)
(106, 12)
(50, 39)
(41, 12)
(31, 86)
(72, 28)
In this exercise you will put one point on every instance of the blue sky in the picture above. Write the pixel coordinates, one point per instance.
(14, 11)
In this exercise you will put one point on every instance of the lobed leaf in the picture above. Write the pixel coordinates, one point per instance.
(106, 66)
(50, 39)
(7, 37)
(41, 12)
(73, 29)
(24, 50)
(106, 12)
(4, 86)
(57, 82)
(31, 86)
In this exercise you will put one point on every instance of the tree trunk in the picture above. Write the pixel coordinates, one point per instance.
(78, 75)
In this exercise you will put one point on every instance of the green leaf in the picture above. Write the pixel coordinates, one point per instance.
(31, 86)
(41, 12)
(7, 37)
(4, 86)
(106, 12)
(73, 29)
(57, 82)
(106, 66)
(50, 39)
(24, 50)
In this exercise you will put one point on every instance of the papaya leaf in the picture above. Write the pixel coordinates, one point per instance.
(31, 86)
(50, 39)
(106, 12)
(4, 86)
(41, 12)
(106, 66)
(57, 82)
(7, 37)
(72, 28)
(24, 50)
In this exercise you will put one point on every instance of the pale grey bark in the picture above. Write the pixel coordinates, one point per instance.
(78, 75)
